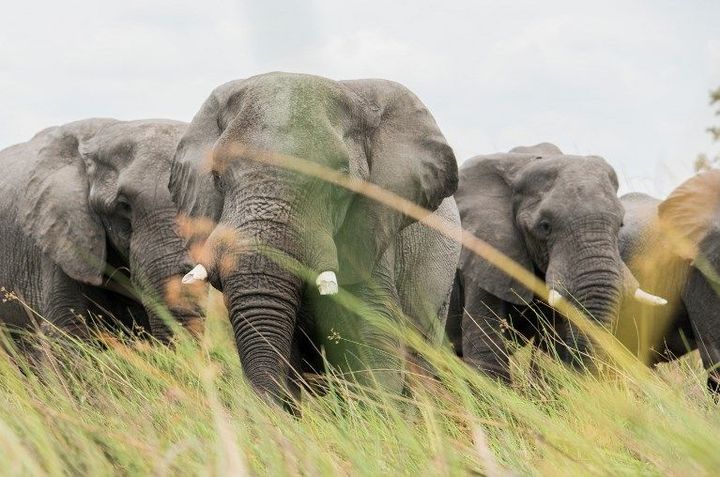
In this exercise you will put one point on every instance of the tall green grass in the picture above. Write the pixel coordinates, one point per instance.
(143, 409)
(133, 407)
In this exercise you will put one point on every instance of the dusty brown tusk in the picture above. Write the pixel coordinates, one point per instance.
(554, 298)
(197, 274)
(327, 283)
(645, 297)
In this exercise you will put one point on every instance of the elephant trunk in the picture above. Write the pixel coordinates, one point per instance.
(252, 254)
(263, 305)
(157, 262)
(593, 277)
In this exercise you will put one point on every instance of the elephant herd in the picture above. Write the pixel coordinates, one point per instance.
(266, 196)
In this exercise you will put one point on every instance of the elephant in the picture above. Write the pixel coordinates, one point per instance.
(372, 130)
(83, 204)
(673, 246)
(559, 217)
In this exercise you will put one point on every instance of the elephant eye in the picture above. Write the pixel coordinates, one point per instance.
(217, 180)
(122, 208)
(544, 228)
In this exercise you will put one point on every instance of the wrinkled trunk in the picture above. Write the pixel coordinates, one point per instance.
(262, 292)
(157, 263)
(263, 307)
(590, 276)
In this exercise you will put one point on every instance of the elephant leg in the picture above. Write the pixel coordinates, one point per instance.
(483, 343)
(703, 306)
(456, 310)
(425, 269)
(65, 310)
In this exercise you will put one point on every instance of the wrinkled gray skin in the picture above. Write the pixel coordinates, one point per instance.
(374, 130)
(673, 248)
(556, 215)
(80, 201)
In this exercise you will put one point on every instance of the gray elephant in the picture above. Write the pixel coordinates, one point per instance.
(82, 204)
(373, 130)
(673, 246)
(559, 217)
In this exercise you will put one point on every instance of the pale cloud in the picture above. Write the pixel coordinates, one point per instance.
(625, 80)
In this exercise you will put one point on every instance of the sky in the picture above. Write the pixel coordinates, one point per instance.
(626, 80)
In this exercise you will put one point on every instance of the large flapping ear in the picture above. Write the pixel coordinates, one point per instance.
(191, 181)
(691, 213)
(484, 198)
(55, 212)
(408, 156)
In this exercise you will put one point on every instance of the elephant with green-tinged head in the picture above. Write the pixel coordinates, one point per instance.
(559, 217)
(224, 171)
(84, 204)
(673, 246)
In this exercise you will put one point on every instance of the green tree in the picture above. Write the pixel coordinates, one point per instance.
(704, 161)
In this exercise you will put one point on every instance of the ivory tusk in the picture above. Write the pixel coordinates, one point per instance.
(197, 274)
(645, 297)
(327, 283)
(554, 297)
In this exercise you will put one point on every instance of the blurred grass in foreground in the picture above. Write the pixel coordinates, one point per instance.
(136, 408)
(140, 409)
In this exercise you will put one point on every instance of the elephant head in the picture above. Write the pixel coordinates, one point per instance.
(555, 214)
(373, 130)
(96, 198)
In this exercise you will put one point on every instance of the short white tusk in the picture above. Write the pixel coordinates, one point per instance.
(554, 298)
(645, 297)
(197, 274)
(327, 283)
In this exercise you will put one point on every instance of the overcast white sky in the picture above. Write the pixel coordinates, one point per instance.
(627, 80)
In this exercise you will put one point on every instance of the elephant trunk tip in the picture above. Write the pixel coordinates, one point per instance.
(197, 274)
(327, 283)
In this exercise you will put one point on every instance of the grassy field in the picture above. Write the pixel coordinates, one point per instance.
(141, 409)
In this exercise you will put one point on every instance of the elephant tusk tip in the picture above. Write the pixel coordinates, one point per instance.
(554, 298)
(327, 283)
(197, 274)
(645, 297)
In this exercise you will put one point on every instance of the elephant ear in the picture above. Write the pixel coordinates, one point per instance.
(190, 180)
(691, 215)
(484, 198)
(55, 213)
(408, 156)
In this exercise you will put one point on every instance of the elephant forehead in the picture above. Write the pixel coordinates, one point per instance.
(314, 136)
(288, 101)
(584, 175)
(145, 145)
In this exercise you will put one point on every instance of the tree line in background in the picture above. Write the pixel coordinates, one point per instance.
(705, 161)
